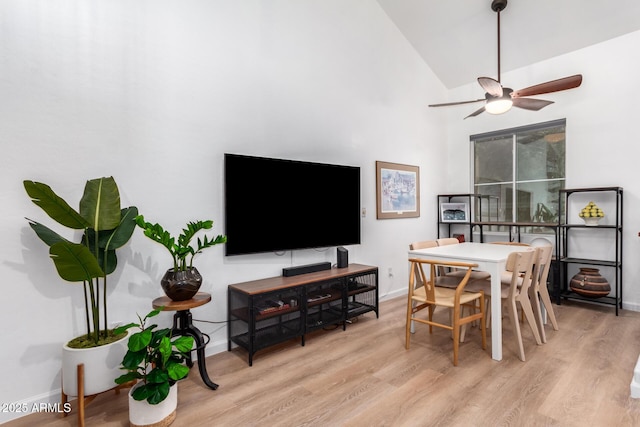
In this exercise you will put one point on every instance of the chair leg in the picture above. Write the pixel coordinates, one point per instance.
(546, 300)
(528, 313)
(487, 311)
(463, 328)
(483, 330)
(456, 338)
(431, 310)
(537, 313)
(513, 315)
(409, 323)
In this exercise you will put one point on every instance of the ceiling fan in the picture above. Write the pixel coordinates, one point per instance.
(499, 99)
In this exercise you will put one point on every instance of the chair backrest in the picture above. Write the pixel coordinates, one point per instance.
(447, 241)
(520, 265)
(543, 263)
(511, 243)
(423, 244)
(418, 278)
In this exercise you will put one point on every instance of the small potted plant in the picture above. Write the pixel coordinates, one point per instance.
(156, 362)
(105, 227)
(181, 282)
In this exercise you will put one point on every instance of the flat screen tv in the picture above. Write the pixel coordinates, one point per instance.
(276, 205)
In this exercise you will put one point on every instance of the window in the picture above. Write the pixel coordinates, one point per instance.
(519, 171)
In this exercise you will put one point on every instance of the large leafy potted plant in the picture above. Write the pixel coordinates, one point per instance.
(105, 227)
(181, 282)
(156, 362)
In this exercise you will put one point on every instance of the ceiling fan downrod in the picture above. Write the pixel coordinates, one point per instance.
(498, 6)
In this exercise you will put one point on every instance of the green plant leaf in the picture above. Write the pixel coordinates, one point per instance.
(140, 340)
(48, 236)
(74, 262)
(177, 371)
(206, 243)
(165, 349)
(157, 376)
(142, 392)
(111, 260)
(183, 344)
(132, 360)
(120, 235)
(54, 206)
(129, 376)
(122, 328)
(100, 204)
(157, 392)
(154, 312)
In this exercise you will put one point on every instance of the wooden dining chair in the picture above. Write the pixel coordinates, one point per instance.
(519, 267)
(425, 294)
(539, 291)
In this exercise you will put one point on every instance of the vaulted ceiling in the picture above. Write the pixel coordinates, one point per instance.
(458, 38)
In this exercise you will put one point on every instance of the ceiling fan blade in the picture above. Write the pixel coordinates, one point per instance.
(491, 86)
(475, 113)
(550, 86)
(530, 103)
(446, 104)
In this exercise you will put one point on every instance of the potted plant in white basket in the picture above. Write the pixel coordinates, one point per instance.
(106, 227)
(181, 282)
(157, 363)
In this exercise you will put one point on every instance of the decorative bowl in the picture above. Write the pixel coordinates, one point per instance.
(591, 221)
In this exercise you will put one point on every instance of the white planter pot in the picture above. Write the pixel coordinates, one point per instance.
(101, 367)
(141, 413)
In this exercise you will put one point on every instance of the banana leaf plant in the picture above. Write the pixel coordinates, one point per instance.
(106, 227)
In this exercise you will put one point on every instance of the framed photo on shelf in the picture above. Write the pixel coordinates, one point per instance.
(454, 212)
(397, 190)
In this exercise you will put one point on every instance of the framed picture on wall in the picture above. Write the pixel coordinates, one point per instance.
(454, 212)
(397, 190)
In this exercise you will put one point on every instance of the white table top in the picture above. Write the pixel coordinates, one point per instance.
(470, 252)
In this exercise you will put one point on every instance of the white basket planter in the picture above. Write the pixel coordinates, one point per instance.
(143, 414)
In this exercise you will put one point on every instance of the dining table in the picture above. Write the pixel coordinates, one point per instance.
(490, 258)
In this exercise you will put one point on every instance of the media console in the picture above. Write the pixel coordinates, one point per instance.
(266, 312)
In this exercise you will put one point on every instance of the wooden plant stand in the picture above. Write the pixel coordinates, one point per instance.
(83, 400)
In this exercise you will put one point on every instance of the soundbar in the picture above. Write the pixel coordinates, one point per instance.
(304, 269)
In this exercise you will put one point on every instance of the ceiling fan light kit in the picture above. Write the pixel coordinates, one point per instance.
(499, 99)
(499, 105)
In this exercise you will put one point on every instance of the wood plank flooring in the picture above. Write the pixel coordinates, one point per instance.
(364, 377)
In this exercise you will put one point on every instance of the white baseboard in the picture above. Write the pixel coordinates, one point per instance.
(630, 306)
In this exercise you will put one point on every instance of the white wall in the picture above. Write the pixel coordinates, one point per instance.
(153, 93)
(602, 142)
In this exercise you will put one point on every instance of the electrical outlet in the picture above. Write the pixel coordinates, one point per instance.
(364, 213)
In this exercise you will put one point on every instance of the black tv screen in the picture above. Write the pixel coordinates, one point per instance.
(277, 205)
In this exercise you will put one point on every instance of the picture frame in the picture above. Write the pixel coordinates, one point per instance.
(454, 212)
(397, 190)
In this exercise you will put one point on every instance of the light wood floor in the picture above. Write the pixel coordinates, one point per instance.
(365, 377)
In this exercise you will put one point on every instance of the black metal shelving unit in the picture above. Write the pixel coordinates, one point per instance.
(567, 228)
(475, 211)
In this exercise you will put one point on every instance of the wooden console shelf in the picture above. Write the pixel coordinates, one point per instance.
(266, 312)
